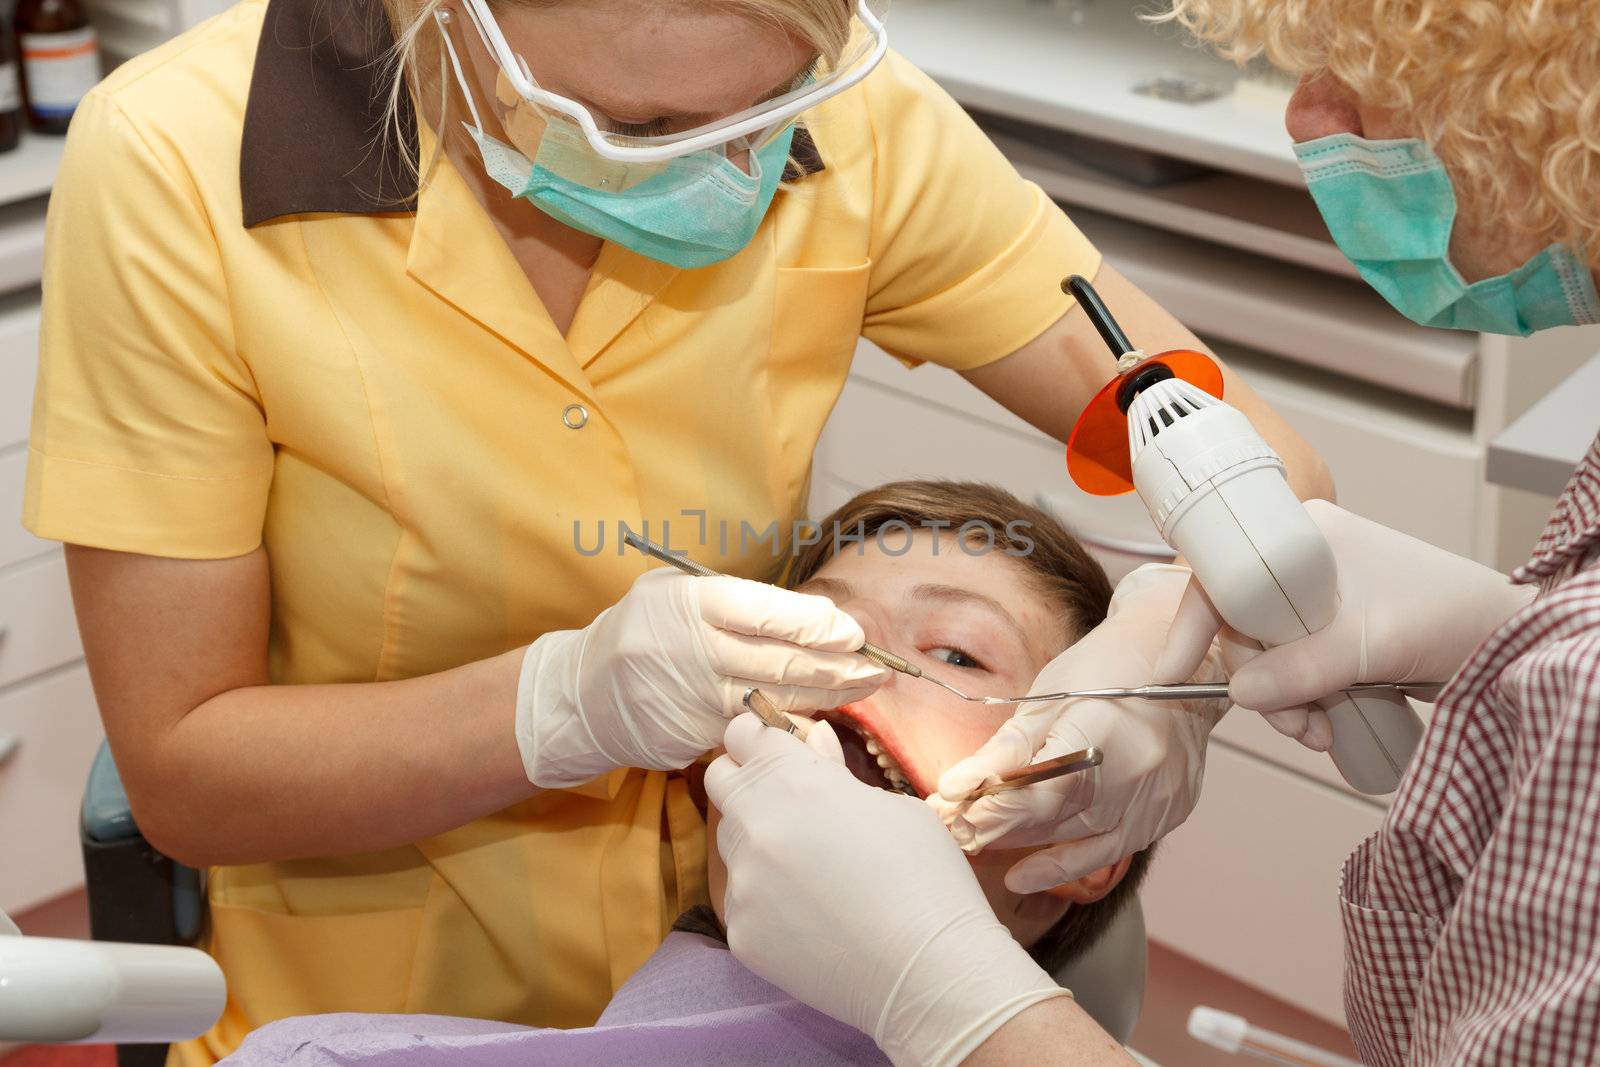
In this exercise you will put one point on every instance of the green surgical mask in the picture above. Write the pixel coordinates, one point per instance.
(687, 211)
(698, 210)
(1390, 208)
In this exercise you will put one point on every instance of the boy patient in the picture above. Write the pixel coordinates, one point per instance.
(962, 579)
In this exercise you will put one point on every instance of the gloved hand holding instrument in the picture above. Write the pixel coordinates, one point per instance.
(1217, 493)
(1152, 753)
(1407, 611)
(653, 680)
(852, 900)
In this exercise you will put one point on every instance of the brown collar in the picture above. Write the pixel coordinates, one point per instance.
(313, 125)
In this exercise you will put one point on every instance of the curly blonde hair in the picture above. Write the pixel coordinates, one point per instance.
(1506, 91)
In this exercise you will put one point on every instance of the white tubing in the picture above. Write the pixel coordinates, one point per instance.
(55, 990)
(1233, 1033)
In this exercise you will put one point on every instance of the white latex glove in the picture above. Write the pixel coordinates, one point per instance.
(1408, 612)
(653, 680)
(1154, 752)
(854, 901)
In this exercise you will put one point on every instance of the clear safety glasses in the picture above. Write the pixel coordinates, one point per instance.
(749, 128)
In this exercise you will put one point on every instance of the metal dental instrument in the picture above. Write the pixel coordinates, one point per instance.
(1189, 691)
(1043, 771)
(768, 712)
(869, 650)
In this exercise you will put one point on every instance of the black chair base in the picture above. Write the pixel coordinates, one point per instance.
(131, 900)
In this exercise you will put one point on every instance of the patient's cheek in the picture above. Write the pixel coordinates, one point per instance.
(948, 739)
(936, 736)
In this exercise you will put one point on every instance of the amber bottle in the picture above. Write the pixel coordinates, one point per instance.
(60, 60)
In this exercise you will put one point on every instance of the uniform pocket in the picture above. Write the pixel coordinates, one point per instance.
(819, 312)
(279, 965)
(1386, 956)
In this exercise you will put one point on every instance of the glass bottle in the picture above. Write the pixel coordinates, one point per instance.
(10, 86)
(60, 60)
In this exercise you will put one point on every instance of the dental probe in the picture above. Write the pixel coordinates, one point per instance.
(868, 649)
(758, 702)
(1189, 691)
(1043, 771)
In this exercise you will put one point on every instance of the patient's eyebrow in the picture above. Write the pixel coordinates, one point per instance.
(832, 588)
(838, 591)
(954, 594)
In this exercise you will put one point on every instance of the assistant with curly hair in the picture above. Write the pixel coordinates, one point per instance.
(1454, 148)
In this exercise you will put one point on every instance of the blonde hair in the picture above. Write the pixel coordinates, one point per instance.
(823, 24)
(1506, 91)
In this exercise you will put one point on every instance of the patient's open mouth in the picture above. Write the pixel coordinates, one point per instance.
(866, 756)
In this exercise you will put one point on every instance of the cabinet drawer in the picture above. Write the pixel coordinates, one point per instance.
(879, 433)
(1426, 489)
(1304, 316)
(15, 542)
(19, 362)
(55, 731)
(1409, 466)
(1249, 885)
(37, 628)
(1245, 730)
(22, 243)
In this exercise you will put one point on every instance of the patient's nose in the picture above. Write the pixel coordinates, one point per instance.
(1321, 106)
(877, 623)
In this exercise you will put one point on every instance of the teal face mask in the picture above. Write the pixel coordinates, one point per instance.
(687, 211)
(693, 211)
(1390, 208)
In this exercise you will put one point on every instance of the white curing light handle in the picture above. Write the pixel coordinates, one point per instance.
(65, 991)
(1270, 573)
(1374, 737)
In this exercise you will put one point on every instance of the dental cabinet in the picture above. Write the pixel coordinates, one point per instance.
(1177, 166)
(49, 728)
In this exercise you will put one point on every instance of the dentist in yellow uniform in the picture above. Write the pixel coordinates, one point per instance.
(366, 326)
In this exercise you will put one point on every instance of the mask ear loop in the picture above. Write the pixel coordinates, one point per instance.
(442, 19)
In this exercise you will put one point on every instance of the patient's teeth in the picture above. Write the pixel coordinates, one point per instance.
(873, 747)
(884, 760)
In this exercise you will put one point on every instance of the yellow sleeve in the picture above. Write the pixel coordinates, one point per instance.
(148, 435)
(967, 257)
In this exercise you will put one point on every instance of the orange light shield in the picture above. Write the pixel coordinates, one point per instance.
(1097, 451)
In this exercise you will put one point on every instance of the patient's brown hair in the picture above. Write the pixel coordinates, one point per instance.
(1061, 569)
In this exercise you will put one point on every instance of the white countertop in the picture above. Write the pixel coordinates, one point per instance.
(1073, 64)
(30, 170)
(1539, 451)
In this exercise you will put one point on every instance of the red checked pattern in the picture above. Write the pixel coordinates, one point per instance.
(1472, 918)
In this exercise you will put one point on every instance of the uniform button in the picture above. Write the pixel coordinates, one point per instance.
(574, 416)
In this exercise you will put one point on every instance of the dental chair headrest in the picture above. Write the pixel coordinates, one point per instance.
(1108, 980)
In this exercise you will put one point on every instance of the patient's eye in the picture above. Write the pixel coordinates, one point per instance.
(956, 657)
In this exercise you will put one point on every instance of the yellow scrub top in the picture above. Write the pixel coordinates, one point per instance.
(256, 332)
